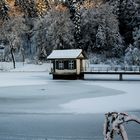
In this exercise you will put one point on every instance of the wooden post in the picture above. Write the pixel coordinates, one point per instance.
(120, 77)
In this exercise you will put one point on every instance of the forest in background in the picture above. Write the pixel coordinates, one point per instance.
(107, 30)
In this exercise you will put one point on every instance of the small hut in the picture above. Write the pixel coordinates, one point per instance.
(67, 64)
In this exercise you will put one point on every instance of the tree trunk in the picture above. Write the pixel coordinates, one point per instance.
(13, 58)
(123, 133)
(23, 56)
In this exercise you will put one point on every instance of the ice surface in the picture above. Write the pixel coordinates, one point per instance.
(76, 96)
(32, 105)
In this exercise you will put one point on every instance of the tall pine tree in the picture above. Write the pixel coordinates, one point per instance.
(74, 6)
(4, 9)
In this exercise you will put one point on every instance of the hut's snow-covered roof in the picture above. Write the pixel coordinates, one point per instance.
(69, 53)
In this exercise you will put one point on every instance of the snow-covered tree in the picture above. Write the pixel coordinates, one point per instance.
(116, 6)
(101, 41)
(11, 32)
(4, 9)
(54, 31)
(132, 55)
(100, 31)
(127, 14)
(74, 7)
(89, 26)
(118, 49)
(28, 7)
(128, 55)
(136, 37)
(114, 124)
(136, 56)
(108, 36)
(39, 40)
(136, 21)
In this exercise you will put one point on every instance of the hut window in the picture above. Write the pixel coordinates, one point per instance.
(71, 64)
(61, 64)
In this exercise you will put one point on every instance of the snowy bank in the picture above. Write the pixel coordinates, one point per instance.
(24, 67)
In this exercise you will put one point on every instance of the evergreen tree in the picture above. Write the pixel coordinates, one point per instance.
(108, 37)
(54, 31)
(74, 6)
(132, 55)
(136, 24)
(116, 6)
(128, 55)
(126, 11)
(28, 7)
(136, 37)
(100, 38)
(118, 49)
(89, 26)
(4, 9)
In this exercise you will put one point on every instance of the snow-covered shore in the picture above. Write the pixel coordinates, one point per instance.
(24, 67)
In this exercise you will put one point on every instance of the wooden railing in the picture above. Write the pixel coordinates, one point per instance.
(112, 69)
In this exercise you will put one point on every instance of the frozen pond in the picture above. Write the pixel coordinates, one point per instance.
(49, 98)
(32, 106)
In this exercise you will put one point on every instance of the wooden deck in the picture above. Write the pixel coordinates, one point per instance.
(135, 70)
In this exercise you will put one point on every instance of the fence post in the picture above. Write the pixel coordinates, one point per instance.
(120, 77)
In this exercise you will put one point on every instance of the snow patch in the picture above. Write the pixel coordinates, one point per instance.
(124, 102)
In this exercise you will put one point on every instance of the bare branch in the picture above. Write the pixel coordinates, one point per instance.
(132, 118)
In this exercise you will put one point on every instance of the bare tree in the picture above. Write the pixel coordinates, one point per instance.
(114, 124)
(11, 31)
(12, 40)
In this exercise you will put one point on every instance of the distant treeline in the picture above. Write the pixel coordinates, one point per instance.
(109, 28)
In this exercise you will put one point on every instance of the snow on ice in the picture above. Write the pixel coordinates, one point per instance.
(124, 102)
